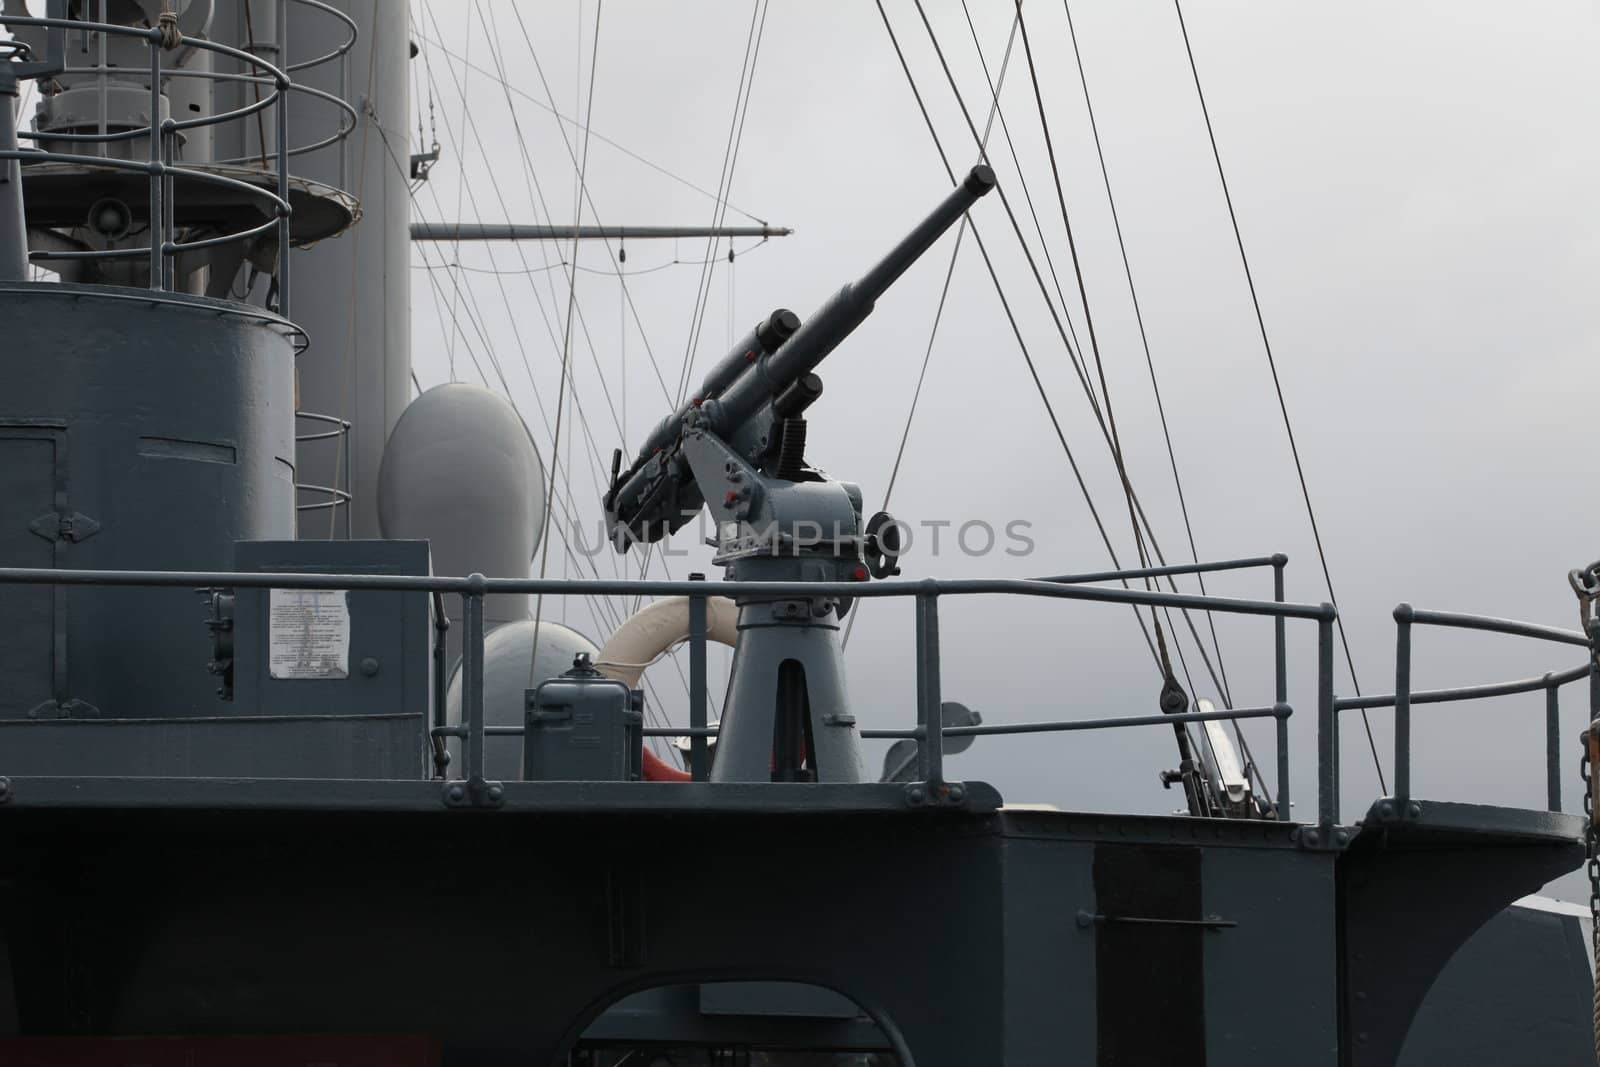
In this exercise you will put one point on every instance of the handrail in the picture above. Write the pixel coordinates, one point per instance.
(929, 731)
(1405, 617)
(163, 247)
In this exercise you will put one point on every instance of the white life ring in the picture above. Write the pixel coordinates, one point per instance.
(649, 634)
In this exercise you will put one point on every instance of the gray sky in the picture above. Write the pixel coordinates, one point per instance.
(1414, 184)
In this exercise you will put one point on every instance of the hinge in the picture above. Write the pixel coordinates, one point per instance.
(54, 526)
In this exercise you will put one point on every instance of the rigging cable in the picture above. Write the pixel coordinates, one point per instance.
(566, 351)
(1144, 340)
(532, 177)
(1277, 386)
(938, 316)
(1155, 388)
(610, 618)
(1094, 341)
(566, 121)
(730, 158)
(1072, 354)
(1005, 304)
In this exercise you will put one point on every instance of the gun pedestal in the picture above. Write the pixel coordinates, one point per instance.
(787, 718)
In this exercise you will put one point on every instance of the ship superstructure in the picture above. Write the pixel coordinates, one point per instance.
(293, 771)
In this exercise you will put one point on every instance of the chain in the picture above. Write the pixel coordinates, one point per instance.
(1586, 584)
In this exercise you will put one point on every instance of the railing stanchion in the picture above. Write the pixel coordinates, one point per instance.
(156, 214)
(698, 764)
(441, 685)
(1327, 726)
(1281, 727)
(1552, 742)
(472, 678)
(1280, 647)
(930, 745)
(282, 108)
(1402, 703)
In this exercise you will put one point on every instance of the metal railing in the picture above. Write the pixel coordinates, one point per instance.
(929, 730)
(326, 497)
(1403, 697)
(162, 134)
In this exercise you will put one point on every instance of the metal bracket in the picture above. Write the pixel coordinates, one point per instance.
(1210, 922)
(64, 709)
(1319, 839)
(935, 795)
(474, 793)
(1390, 810)
(56, 526)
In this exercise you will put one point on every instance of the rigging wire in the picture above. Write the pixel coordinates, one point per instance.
(730, 156)
(531, 175)
(1072, 353)
(1144, 340)
(565, 121)
(587, 197)
(566, 349)
(1094, 340)
(1155, 388)
(1277, 385)
(1005, 304)
(933, 332)
(610, 617)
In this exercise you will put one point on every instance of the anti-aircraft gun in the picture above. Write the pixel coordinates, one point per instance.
(737, 447)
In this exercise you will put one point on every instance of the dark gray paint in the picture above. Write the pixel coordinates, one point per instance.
(161, 426)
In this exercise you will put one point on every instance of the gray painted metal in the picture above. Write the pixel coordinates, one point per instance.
(1514, 993)
(390, 669)
(143, 435)
(513, 231)
(460, 472)
(352, 293)
(507, 652)
(13, 225)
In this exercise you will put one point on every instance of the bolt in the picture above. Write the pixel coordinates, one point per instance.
(1385, 809)
(5, 790)
(369, 666)
(456, 794)
(1414, 810)
(916, 794)
(957, 793)
(1341, 838)
(497, 793)
(1312, 837)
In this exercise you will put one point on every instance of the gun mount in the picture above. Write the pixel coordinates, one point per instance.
(737, 447)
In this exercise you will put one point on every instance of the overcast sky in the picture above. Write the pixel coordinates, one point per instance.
(1414, 184)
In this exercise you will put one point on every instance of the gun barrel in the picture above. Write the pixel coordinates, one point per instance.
(820, 334)
(778, 352)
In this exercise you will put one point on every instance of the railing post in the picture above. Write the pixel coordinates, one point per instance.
(1327, 726)
(157, 216)
(1279, 638)
(472, 678)
(1552, 743)
(282, 108)
(441, 685)
(1281, 713)
(698, 764)
(1402, 703)
(930, 743)
(169, 259)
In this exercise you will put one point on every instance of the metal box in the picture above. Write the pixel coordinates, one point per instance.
(584, 727)
(357, 659)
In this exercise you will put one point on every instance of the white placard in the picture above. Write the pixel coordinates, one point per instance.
(308, 635)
